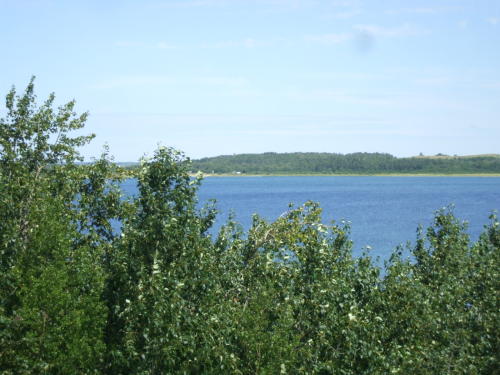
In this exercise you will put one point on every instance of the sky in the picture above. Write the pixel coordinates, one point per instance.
(213, 77)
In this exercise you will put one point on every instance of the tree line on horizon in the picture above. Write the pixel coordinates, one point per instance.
(355, 163)
(162, 295)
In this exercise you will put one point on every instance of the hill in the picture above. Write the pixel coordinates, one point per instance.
(354, 163)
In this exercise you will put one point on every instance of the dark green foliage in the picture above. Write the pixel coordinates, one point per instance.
(160, 295)
(51, 313)
(356, 163)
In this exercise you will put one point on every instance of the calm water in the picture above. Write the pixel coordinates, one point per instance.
(383, 211)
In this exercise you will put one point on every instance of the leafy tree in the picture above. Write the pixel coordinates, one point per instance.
(158, 273)
(50, 279)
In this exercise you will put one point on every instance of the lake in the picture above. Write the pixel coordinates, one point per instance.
(384, 211)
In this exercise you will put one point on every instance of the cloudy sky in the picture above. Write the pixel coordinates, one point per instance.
(215, 77)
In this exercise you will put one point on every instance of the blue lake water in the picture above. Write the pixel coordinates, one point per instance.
(384, 211)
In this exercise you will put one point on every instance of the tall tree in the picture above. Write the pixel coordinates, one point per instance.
(51, 278)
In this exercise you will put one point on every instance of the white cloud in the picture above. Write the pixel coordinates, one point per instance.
(364, 34)
(434, 81)
(391, 32)
(163, 80)
(413, 11)
(493, 21)
(334, 38)
(164, 45)
(133, 80)
(424, 10)
(221, 81)
(248, 42)
(128, 44)
(283, 4)
(345, 3)
(491, 85)
(346, 14)
(191, 3)
(157, 45)
(379, 99)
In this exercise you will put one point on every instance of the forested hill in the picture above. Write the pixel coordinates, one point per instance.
(355, 163)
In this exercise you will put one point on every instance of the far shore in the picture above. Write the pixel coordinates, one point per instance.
(205, 175)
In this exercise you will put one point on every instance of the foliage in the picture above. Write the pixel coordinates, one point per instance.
(51, 313)
(93, 282)
(355, 163)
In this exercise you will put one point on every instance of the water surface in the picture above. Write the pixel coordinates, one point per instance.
(384, 211)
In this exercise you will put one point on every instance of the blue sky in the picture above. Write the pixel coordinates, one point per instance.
(215, 77)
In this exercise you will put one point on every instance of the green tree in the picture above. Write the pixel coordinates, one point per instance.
(159, 278)
(51, 279)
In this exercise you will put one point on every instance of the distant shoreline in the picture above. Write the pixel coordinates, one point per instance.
(355, 164)
(210, 175)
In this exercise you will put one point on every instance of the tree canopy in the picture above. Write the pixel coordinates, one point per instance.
(355, 163)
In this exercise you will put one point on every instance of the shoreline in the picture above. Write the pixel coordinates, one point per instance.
(211, 175)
